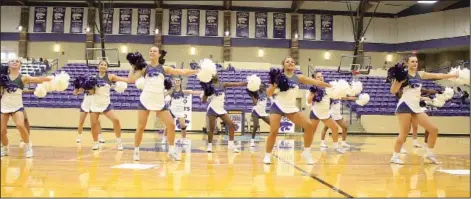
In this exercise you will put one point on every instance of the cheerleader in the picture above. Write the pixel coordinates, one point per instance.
(152, 95)
(259, 100)
(100, 103)
(408, 108)
(12, 105)
(177, 106)
(285, 105)
(321, 111)
(84, 110)
(216, 110)
(335, 111)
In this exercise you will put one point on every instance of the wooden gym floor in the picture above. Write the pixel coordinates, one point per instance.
(60, 168)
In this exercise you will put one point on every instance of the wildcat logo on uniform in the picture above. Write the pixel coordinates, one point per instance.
(292, 84)
(414, 83)
(218, 92)
(100, 83)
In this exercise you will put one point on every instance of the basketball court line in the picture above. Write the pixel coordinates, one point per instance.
(317, 179)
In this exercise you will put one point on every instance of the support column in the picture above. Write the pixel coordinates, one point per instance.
(294, 49)
(23, 34)
(90, 35)
(159, 16)
(227, 53)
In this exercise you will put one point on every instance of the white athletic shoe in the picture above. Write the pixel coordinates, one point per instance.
(164, 140)
(267, 159)
(307, 156)
(136, 154)
(403, 151)
(79, 139)
(210, 148)
(101, 139)
(323, 145)
(22, 144)
(4, 151)
(396, 160)
(252, 143)
(28, 150)
(119, 146)
(339, 150)
(173, 155)
(417, 144)
(431, 159)
(345, 145)
(96, 146)
(234, 148)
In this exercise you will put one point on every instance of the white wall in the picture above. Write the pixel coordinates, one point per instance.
(450, 23)
(10, 18)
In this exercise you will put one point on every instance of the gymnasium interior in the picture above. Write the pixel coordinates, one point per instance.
(349, 40)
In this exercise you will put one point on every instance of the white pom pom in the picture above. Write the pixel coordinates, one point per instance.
(121, 87)
(60, 82)
(363, 99)
(338, 90)
(439, 100)
(40, 91)
(253, 83)
(356, 88)
(208, 70)
(449, 92)
(464, 76)
(140, 83)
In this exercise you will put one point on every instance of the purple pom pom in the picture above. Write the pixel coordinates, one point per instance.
(136, 60)
(319, 93)
(397, 72)
(3, 80)
(282, 82)
(89, 83)
(167, 84)
(78, 82)
(313, 89)
(274, 72)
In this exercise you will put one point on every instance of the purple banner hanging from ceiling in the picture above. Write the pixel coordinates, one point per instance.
(76, 20)
(175, 22)
(261, 25)
(125, 21)
(193, 23)
(242, 24)
(40, 19)
(211, 28)
(309, 26)
(58, 16)
(279, 25)
(327, 27)
(143, 21)
(108, 20)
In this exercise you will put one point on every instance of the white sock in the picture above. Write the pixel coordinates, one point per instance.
(395, 154)
(165, 137)
(136, 149)
(171, 148)
(210, 144)
(231, 142)
(323, 141)
(343, 142)
(118, 140)
(307, 149)
(252, 140)
(267, 154)
(336, 145)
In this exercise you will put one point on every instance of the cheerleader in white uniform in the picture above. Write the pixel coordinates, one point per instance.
(408, 108)
(216, 110)
(152, 99)
(336, 112)
(259, 111)
(12, 105)
(84, 110)
(285, 105)
(321, 112)
(100, 103)
(177, 106)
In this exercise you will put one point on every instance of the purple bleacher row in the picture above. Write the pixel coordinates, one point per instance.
(32, 69)
(381, 103)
